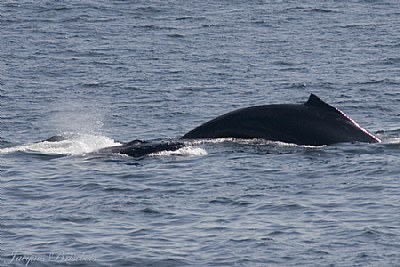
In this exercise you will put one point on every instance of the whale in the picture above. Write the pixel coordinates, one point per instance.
(314, 123)
(141, 148)
(136, 148)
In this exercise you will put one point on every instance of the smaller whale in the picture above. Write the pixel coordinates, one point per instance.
(140, 148)
(135, 148)
(313, 123)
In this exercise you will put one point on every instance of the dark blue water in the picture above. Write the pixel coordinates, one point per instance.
(110, 71)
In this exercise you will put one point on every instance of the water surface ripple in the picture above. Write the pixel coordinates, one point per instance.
(111, 71)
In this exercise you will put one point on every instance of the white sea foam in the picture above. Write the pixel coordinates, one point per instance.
(184, 151)
(75, 145)
(242, 141)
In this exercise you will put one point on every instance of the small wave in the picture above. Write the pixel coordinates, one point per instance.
(391, 143)
(75, 145)
(390, 137)
(392, 140)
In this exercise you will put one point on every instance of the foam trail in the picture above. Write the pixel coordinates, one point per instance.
(76, 145)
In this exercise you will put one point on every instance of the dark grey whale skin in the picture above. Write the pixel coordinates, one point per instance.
(313, 123)
(140, 148)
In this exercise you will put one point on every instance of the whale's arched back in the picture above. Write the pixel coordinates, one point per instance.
(312, 123)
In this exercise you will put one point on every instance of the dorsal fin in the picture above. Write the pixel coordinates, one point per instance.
(315, 101)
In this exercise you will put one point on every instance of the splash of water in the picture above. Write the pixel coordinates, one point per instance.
(76, 115)
(75, 145)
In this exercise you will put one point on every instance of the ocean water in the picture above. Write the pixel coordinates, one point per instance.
(106, 72)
